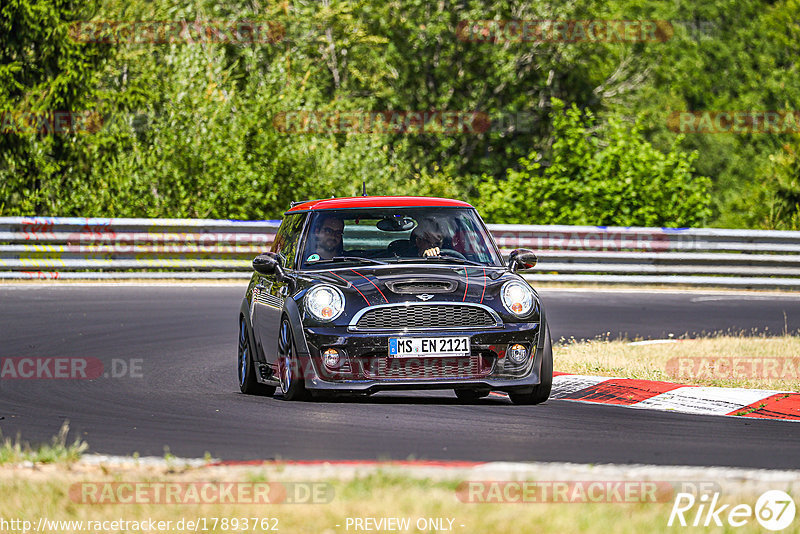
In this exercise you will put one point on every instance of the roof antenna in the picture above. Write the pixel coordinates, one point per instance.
(364, 188)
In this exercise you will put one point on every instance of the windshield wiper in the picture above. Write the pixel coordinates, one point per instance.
(440, 258)
(348, 258)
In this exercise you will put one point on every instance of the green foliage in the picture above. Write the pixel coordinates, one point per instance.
(57, 451)
(188, 129)
(598, 175)
(725, 55)
(42, 70)
(776, 201)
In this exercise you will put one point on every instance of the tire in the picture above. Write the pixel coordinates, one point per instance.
(541, 391)
(291, 378)
(246, 368)
(470, 395)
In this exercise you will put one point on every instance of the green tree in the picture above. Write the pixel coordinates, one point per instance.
(42, 71)
(189, 128)
(775, 203)
(598, 174)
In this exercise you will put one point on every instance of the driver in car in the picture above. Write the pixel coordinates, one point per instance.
(428, 238)
(328, 238)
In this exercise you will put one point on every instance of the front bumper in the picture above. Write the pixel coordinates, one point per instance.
(367, 367)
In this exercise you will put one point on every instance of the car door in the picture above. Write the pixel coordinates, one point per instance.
(273, 289)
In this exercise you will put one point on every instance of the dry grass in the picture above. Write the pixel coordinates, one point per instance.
(741, 361)
(29, 497)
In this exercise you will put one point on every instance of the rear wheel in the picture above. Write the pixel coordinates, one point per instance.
(471, 395)
(246, 368)
(292, 382)
(541, 391)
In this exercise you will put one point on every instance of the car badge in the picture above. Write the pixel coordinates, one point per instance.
(424, 296)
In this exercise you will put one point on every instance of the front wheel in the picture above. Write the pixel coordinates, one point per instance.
(292, 382)
(541, 391)
(246, 368)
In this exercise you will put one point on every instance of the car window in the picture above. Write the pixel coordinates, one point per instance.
(397, 234)
(287, 239)
(363, 233)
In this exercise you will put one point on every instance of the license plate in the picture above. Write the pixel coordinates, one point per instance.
(428, 346)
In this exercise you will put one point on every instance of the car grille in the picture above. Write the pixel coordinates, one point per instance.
(426, 316)
(426, 368)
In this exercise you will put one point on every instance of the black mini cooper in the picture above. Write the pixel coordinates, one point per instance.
(366, 294)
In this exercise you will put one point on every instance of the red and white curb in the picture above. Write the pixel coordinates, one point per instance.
(667, 396)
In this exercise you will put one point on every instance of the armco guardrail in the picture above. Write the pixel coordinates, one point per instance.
(79, 248)
(95, 248)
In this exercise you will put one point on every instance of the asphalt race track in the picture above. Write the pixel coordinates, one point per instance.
(183, 392)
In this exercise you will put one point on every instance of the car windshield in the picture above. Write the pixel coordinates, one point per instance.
(397, 235)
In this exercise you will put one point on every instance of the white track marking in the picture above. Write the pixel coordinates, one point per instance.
(704, 400)
(653, 342)
(743, 297)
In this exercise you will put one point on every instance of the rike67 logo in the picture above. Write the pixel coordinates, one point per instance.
(774, 510)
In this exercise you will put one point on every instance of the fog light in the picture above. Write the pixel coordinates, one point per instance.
(331, 358)
(517, 353)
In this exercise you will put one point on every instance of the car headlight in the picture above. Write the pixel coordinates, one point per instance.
(324, 302)
(517, 297)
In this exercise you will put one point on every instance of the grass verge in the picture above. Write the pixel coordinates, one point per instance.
(53, 495)
(753, 362)
(57, 451)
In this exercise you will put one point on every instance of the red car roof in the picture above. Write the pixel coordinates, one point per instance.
(378, 202)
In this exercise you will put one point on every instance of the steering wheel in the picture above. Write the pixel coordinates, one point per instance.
(451, 252)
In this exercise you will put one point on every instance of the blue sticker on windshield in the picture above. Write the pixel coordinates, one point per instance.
(313, 257)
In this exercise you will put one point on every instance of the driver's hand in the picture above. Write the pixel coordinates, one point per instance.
(431, 252)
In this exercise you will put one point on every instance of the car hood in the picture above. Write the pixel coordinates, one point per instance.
(390, 284)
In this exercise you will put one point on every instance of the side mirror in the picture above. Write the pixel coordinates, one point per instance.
(521, 259)
(266, 263)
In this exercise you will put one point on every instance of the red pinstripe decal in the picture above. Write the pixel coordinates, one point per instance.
(484, 285)
(354, 287)
(373, 283)
(467, 286)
